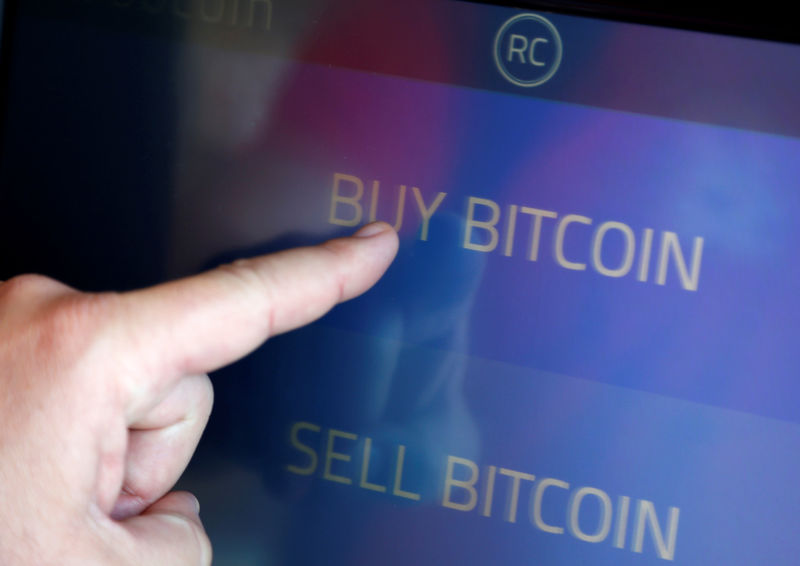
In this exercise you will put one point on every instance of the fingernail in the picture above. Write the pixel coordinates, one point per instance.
(371, 230)
(196, 504)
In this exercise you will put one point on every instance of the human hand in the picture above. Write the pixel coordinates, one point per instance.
(104, 396)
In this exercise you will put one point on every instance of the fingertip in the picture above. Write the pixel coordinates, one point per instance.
(196, 504)
(363, 258)
(373, 229)
(383, 234)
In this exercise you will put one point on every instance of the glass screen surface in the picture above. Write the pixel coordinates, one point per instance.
(586, 349)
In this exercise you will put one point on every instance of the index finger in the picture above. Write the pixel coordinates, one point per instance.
(207, 321)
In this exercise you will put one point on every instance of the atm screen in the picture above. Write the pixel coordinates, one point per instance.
(586, 351)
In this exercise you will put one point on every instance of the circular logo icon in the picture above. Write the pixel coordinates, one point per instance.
(528, 50)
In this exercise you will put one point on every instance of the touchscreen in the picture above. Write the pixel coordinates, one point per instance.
(586, 351)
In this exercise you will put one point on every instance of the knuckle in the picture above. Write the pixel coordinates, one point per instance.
(70, 327)
(342, 255)
(255, 284)
(30, 286)
(243, 272)
(47, 317)
(80, 315)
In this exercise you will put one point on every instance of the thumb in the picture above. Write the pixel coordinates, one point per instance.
(170, 533)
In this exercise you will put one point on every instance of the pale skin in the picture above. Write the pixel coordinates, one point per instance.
(105, 396)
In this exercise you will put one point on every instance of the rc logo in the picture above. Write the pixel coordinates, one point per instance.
(527, 50)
